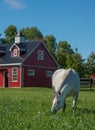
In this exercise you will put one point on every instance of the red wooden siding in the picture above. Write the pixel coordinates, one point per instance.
(46, 62)
(17, 83)
(40, 67)
(10, 82)
(39, 79)
(1, 79)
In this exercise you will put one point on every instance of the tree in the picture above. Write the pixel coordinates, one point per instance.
(0, 38)
(32, 33)
(50, 42)
(67, 58)
(90, 65)
(10, 34)
(78, 64)
(64, 51)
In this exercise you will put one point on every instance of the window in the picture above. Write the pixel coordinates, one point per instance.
(15, 52)
(40, 55)
(14, 74)
(48, 73)
(31, 72)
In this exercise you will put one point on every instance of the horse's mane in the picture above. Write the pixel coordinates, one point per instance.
(64, 75)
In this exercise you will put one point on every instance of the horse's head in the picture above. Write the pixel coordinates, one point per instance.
(57, 102)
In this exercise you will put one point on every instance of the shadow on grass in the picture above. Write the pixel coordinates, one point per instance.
(85, 111)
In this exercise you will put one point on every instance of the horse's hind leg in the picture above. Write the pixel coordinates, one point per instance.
(74, 103)
(64, 106)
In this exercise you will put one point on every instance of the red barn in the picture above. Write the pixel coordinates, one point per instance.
(92, 76)
(25, 64)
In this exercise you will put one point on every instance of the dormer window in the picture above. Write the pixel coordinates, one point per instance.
(15, 52)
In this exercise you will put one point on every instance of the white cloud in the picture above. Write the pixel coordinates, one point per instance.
(15, 4)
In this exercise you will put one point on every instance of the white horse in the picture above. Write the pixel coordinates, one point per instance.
(65, 82)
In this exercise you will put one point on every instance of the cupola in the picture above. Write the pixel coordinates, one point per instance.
(19, 38)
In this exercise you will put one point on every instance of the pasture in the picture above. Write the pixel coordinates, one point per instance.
(29, 109)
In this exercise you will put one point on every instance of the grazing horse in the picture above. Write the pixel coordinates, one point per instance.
(65, 82)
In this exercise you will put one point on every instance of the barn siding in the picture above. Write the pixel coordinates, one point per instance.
(33, 58)
(1, 79)
(10, 82)
(39, 79)
(40, 67)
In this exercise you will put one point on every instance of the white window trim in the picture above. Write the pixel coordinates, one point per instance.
(40, 55)
(31, 72)
(48, 73)
(15, 52)
(14, 74)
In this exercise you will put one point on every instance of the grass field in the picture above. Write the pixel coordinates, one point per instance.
(29, 109)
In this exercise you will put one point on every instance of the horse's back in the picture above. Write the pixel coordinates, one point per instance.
(65, 76)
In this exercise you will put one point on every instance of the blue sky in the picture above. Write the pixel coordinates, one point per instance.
(70, 20)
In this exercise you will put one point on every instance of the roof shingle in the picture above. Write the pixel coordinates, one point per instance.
(28, 47)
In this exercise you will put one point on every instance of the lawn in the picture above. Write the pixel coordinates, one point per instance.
(29, 109)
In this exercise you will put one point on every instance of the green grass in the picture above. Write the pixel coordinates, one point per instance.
(29, 109)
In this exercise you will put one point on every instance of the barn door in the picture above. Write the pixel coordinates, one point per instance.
(6, 79)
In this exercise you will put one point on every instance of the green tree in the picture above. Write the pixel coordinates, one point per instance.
(50, 42)
(0, 38)
(78, 64)
(32, 33)
(90, 65)
(10, 33)
(63, 53)
(69, 60)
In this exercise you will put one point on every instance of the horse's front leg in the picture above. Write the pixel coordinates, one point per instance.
(64, 106)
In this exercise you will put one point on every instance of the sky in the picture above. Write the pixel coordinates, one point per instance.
(67, 20)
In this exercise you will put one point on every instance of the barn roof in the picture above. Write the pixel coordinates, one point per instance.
(2, 49)
(28, 47)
